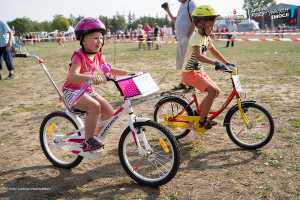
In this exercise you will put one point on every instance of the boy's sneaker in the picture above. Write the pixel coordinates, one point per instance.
(207, 123)
(10, 76)
(91, 144)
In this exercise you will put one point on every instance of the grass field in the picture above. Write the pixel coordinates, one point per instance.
(212, 167)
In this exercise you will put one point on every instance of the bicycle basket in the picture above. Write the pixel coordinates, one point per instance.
(128, 87)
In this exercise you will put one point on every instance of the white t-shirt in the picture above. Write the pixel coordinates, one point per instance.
(232, 27)
(183, 21)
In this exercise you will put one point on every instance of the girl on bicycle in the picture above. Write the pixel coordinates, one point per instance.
(192, 72)
(84, 66)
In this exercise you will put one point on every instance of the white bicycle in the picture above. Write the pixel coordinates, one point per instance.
(148, 151)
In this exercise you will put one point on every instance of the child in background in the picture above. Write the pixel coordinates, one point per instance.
(192, 71)
(84, 66)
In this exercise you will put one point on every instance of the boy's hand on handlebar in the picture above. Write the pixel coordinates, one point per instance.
(230, 65)
(219, 66)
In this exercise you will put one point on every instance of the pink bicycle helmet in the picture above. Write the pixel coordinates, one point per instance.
(86, 26)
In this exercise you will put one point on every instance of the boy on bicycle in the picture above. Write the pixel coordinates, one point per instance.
(192, 73)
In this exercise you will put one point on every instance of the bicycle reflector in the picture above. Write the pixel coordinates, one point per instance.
(50, 128)
(163, 144)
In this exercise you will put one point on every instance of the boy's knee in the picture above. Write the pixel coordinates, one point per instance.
(217, 92)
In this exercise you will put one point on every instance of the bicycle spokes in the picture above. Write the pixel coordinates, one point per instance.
(259, 126)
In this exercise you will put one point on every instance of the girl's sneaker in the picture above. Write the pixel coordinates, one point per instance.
(207, 123)
(91, 144)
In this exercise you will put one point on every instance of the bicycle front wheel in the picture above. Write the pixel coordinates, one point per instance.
(172, 106)
(58, 123)
(261, 122)
(23, 50)
(160, 160)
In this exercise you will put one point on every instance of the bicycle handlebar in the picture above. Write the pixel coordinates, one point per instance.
(21, 55)
(226, 69)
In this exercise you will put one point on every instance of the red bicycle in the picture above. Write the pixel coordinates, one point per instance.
(248, 124)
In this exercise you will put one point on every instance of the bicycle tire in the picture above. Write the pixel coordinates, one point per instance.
(159, 166)
(176, 105)
(63, 124)
(23, 50)
(261, 122)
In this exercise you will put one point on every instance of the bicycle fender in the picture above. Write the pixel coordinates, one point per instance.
(226, 119)
(76, 119)
(169, 97)
(128, 123)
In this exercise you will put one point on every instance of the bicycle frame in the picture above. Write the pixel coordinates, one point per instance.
(77, 140)
(233, 94)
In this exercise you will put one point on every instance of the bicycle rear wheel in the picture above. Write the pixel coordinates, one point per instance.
(159, 164)
(261, 131)
(58, 123)
(172, 106)
(23, 50)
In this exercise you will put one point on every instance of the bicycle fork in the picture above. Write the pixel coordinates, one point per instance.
(243, 113)
(135, 137)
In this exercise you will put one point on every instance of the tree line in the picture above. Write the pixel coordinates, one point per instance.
(59, 22)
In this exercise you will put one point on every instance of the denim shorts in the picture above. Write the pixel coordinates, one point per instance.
(7, 56)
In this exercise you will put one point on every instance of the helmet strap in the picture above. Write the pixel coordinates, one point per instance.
(203, 31)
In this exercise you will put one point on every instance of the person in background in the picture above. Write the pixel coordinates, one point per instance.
(24, 38)
(232, 28)
(282, 31)
(13, 41)
(33, 38)
(6, 37)
(156, 35)
(184, 29)
(12, 28)
(131, 34)
(60, 39)
(42, 37)
(148, 31)
(30, 38)
(140, 34)
(63, 39)
(108, 36)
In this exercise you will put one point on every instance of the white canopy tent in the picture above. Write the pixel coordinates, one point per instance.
(70, 30)
(248, 25)
(53, 33)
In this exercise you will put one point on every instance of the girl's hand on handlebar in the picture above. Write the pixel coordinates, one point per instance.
(96, 79)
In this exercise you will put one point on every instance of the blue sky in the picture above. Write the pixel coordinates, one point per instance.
(38, 10)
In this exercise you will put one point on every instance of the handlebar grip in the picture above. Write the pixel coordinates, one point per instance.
(104, 79)
(21, 55)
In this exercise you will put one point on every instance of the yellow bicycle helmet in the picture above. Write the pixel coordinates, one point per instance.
(204, 12)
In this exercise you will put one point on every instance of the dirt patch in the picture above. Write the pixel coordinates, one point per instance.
(217, 170)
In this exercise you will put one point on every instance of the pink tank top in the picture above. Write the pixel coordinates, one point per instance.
(87, 67)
